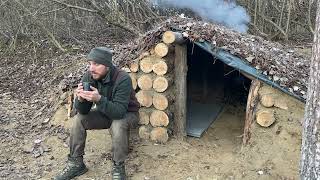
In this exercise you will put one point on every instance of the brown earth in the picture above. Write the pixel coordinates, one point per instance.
(272, 154)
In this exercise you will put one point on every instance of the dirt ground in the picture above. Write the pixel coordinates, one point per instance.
(272, 154)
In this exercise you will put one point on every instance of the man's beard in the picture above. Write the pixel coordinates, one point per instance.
(96, 76)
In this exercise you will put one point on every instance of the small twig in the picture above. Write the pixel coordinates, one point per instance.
(75, 7)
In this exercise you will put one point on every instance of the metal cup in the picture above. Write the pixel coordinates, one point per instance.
(86, 86)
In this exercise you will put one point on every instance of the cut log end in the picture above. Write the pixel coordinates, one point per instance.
(172, 37)
(144, 98)
(134, 66)
(145, 82)
(160, 102)
(146, 65)
(160, 84)
(144, 117)
(265, 118)
(159, 118)
(161, 49)
(159, 135)
(160, 68)
(267, 100)
(144, 132)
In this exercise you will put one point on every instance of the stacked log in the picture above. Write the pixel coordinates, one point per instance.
(152, 78)
(269, 100)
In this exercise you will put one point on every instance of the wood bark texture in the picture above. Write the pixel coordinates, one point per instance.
(250, 110)
(180, 64)
(310, 150)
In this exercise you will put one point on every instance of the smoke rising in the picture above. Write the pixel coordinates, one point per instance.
(227, 13)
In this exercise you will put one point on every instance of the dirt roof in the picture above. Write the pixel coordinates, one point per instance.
(281, 64)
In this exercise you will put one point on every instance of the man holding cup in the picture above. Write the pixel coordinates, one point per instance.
(110, 89)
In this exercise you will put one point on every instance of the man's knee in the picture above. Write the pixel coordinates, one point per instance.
(119, 127)
(79, 121)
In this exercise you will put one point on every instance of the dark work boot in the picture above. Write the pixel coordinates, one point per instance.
(75, 167)
(118, 171)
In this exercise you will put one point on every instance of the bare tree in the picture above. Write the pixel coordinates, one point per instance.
(285, 19)
(58, 21)
(310, 151)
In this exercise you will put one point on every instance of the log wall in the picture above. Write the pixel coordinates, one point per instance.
(153, 78)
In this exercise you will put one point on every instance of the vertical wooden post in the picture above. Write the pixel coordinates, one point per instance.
(251, 106)
(180, 64)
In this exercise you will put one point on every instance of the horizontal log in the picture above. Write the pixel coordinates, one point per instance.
(134, 66)
(160, 68)
(145, 132)
(145, 82)
(267, 100)
(144, 116)
(144, 98)
(162, 49)
(265, 118)
(160, 101)
(159, 118)
(159, 135)
(169, 37)
(146, 64)
(161, 83)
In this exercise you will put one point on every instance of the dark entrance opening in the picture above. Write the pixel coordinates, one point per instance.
(210, 86)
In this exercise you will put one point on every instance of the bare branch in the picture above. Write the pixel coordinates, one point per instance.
(75, 7)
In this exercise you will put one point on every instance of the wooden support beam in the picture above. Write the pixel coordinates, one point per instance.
(250, 111)
(180, 64)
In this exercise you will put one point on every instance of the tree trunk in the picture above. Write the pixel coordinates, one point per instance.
(310, 150)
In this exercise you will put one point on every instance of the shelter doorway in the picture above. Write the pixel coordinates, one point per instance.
(211, 85)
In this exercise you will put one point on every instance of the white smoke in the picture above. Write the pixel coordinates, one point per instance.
(227, 13)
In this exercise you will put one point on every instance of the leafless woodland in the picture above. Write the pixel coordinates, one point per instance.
(58, 22)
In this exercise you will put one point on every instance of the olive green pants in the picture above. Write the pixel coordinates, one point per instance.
(119, 130)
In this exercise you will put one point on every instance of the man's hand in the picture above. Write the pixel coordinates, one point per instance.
(78, 91)
(92, 96)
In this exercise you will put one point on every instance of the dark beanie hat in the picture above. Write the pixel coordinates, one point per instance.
(101, 55)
